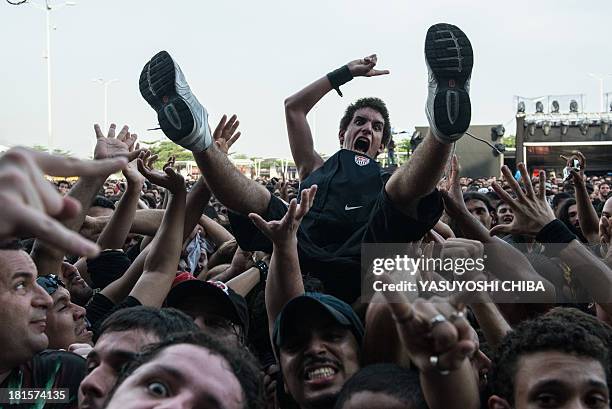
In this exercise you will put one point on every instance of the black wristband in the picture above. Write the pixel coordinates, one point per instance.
(263, 270)
(555, 232)
(340, 77)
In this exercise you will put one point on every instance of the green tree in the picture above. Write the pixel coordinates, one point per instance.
(165, 149)
(403, 145)
(509, 141)
(60, 152)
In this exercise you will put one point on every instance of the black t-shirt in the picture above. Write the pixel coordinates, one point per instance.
(349, 184)
(48, 370)
(100, 307)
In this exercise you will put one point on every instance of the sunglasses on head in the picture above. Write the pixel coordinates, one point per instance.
(50, 283)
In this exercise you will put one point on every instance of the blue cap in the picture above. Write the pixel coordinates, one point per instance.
(298, 307)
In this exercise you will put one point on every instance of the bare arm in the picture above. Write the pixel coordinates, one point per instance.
(165, 249)
(48, 259)
(197, 200)
(594, 275)
(245, 282)
(114, 234)
(503, 260)
(299, 104)
(448, 382)
(32, 207)
(284, 276)
(493, 324)
(217, 233)
(301, 143)
(587, 215)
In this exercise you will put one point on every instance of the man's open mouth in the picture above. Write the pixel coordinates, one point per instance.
(319, 373)
(361, 144)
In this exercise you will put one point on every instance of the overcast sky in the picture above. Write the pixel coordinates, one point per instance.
(246, 57)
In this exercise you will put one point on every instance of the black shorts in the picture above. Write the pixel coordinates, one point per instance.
(340, 269)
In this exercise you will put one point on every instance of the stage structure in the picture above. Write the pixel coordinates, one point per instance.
(554, 125)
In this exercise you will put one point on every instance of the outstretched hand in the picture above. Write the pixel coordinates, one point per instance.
(110, 146)
(31, 204)
(225, 134)
(131, 173)
(285, 230)
(436, 334)
(169, 178)
(531, 210)
(364, 67)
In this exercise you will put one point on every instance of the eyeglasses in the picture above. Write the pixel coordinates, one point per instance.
(50, 283)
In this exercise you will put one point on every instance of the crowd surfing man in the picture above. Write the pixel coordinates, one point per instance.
(356, 203)
(152, 357)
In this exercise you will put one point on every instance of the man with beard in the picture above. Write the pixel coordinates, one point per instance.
(356, 203)
(602, 196)
(480, 207)
(66, 323)
(80, 292)
(318, 343)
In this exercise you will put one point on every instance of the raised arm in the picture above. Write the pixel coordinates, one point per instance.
(165, 249)
(284, 276)
(503, 260)
(114, 234)
(32, 207)
(49, 259)
(587, 215)
(116, 230)
(441, 343)
(299, 104)
(535, 217)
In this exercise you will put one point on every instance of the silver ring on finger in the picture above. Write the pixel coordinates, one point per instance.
(435, 363)
(438, 319)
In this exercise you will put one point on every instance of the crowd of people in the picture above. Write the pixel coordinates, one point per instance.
(147, 290)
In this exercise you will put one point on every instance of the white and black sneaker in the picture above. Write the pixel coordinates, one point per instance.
(181, 116)
(449, 58)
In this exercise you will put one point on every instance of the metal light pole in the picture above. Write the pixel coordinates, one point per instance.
(105, 84)
(601, 89)
(48, 7)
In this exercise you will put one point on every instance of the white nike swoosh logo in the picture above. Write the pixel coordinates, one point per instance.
(347, 207)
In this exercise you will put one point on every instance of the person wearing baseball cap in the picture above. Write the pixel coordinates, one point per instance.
(214, 307)
(317, 338)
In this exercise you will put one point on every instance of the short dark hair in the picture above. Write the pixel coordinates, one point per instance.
(558, 198)
(241, 363)
(161, 322)
(376, 104)
(467, 196)
(542, 335)
(592, 324)
(393, 380)
(501, 202)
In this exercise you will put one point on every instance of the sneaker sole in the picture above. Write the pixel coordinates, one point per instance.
(158, 87)
(450, 57)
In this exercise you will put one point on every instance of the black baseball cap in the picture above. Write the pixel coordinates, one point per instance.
(233, 304)
(311, 303)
